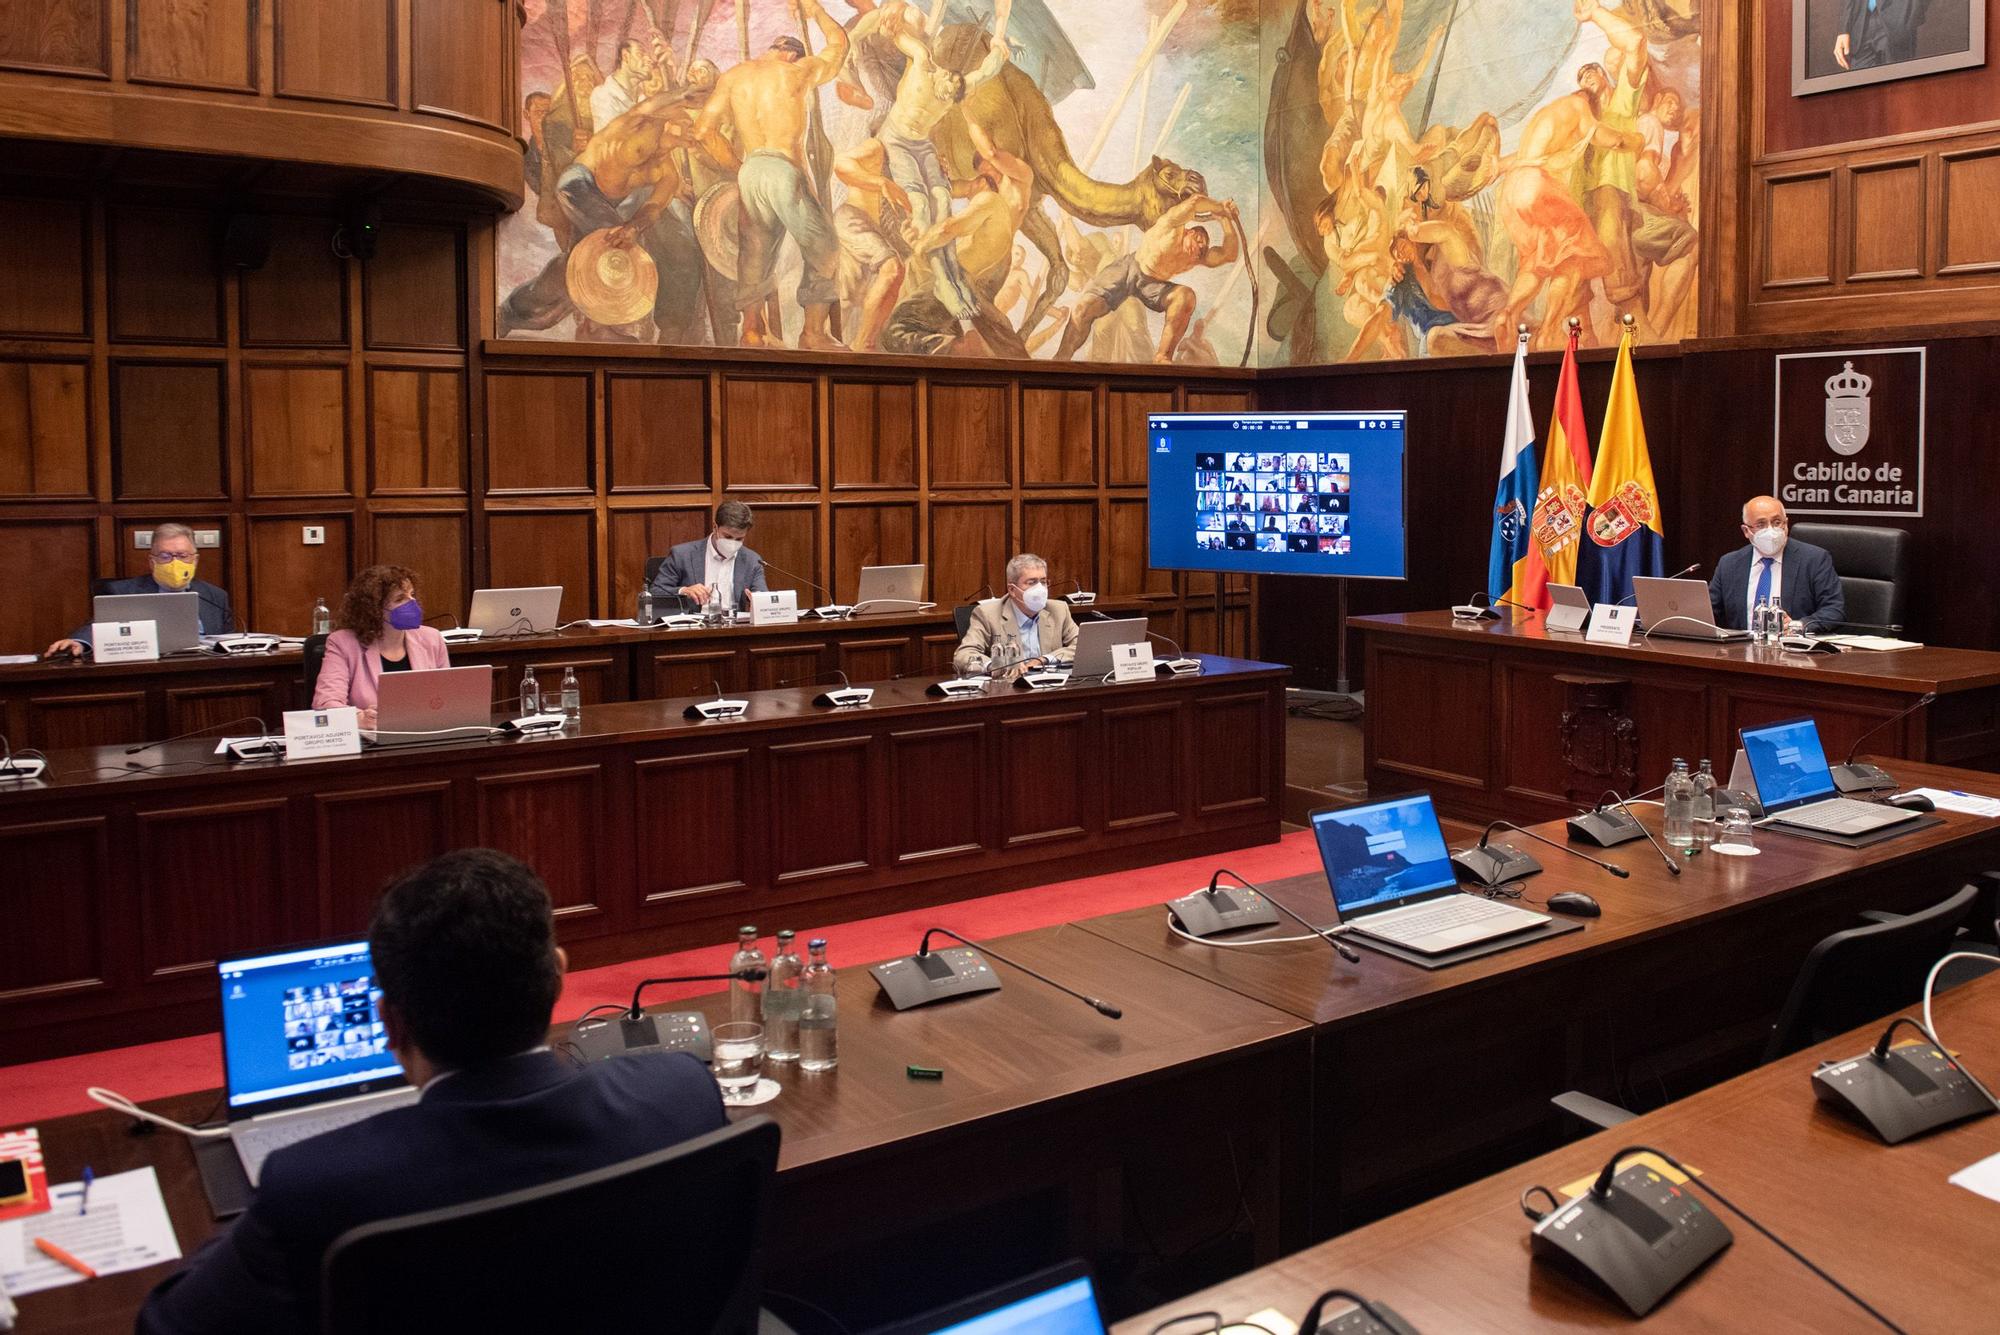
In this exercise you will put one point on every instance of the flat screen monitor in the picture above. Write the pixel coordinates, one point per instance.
(1305, 493)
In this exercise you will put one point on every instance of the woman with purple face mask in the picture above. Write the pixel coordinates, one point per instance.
(379, 628)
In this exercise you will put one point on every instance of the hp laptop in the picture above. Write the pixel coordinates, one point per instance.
(1392, 879)
(176, 617)
(1679, 608)
(1096, 639)
(1056, 1301)
(515, 611)
(303, 1050)
(439, 705)
(1797, 789)
(889, 590)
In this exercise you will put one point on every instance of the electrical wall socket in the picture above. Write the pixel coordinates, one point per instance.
(142, 538)
(315, 535)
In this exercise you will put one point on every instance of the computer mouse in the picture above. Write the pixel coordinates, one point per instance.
(1575, 903)
(1910, 802)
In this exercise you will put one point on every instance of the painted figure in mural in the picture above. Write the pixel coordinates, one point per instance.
(565, 129)
(1555, 246)
(1170, 247)
(875, 62)
(765, 103)
(980, 238)
(873, 224)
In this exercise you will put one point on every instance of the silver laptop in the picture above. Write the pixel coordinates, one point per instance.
(1096, 639)
(176, 617)
(438, 705)
(888, 590)
(1796, 788)
(1392, 879)
(515, 611)
(1569, 607)
(303, 1048)
(1679, 608)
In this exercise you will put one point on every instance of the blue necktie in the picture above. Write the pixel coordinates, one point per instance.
(1763, 582)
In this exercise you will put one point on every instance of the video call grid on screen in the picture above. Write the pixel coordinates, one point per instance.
(302, 1021)
(1311, 493)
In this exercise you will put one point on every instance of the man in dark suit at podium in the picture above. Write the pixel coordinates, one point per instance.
(464, 951)
(718, 564)
(173, 559)
(1775, 565)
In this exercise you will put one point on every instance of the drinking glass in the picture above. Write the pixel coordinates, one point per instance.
(1735, 835)
(739, 1058)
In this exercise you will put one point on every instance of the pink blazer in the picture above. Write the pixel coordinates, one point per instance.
(352, 672)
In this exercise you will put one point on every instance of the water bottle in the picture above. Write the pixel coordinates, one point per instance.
(819, 1039)
(531, 694)
(1776, 625)
(1760, 621)
(1678, 801)
(572, 699)
(746, 998)
(647, 616)
(783, 1002)
(1704, 807)
(322, 620)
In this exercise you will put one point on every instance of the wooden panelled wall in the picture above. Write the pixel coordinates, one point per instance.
(141, 380)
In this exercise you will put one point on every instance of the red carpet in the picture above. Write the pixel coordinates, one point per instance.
(36, 1091)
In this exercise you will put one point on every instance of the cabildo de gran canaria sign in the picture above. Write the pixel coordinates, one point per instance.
(1848, 432)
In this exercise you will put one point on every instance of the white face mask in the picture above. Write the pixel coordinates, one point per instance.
(1035, 597)
(728, 547)
(1768, 541)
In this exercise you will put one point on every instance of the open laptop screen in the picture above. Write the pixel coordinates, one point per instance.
(1059, 1301)
(1383, 853)
(301, 1026)
(1788, 763)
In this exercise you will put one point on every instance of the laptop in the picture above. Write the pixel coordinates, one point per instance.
(1058, 1301)
(1569, 607)
(515, 611)
(438, 705)
(889, 590)
(1096, 639)
(1679, 608)
(1392, 879)
(1796, 788)
(303, 1049)
(176, 617)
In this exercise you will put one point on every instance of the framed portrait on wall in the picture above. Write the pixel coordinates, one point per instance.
(1842, 43)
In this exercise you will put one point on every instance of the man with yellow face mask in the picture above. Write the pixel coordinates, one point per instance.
(174, 558)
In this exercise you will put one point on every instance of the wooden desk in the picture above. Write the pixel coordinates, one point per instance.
(1424, 1080)
(653, 832)
(1883, 1220)
(884, 1182)
(1475, 711)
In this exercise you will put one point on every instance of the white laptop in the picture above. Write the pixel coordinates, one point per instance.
(303, 1048)
(500, 612)
(1679, 608)
(1569, 607)
(889, 590)
(176, 617)
(1796, 788)
(438, 705)
(1392, 879)
(1095, 639)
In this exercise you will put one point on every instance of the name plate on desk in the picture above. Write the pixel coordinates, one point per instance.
(1611, 624)
(310, 733)
(774, 609)
(1132, 662)
(124, 641)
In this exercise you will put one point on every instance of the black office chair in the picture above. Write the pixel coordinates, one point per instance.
(314, 655)
(653, 564)
(961, 617)
(101, 588)
(671, 1242)
(1874, 566)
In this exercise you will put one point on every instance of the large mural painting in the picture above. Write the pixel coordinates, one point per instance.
(1013, 178)
(1442, 170)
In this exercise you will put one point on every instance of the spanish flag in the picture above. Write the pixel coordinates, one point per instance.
(1562, 498)
(1623, 532)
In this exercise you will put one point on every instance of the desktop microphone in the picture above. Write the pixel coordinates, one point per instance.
(200, 732)
(1341, 948)
(1180, 663)
(719, 708)
(1869, 625)
(1502, 862)
(1849, 777)
(1609, 828)
(827, 610)
(1078, 596)
(1103, 1008)
(849, 695)
(1687, 570)
(751, 975)
(1384, 1317)
(632, 1030)
(29, 764)
(1473, 610)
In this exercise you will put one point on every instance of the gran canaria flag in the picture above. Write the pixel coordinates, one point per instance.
(1563, 497)
(1513, 551)
(1623, 534)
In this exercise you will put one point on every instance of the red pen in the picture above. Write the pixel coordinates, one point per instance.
(55, 1253)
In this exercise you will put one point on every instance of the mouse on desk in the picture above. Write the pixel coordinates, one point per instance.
(1575, 903)
(1910, 802)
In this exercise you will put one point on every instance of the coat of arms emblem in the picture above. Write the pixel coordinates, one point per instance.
(1847, 410)
(1629, 510)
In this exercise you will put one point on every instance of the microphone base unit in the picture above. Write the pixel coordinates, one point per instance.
(463, 635)
(1080, 598)
(847, 697)
(959, 688)
(19, 769)
(1041, 681)
(1605, 829)
(1593, 1240)
(622, 1035)
(532, 725)
(1495, 864)
(1208, 912)
(918, 980)
(1179, 667)
(717, 711)
(248, 644)
(1906, 1092)
(1473, 612)
(833, 611)
(1858, 778)
(258, 748)
(681, 621)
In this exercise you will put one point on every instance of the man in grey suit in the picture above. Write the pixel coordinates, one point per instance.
(1775, 565)
(718, 563)
(1021, 630)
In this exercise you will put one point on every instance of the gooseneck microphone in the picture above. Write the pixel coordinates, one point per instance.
(1849, 777)
(1341, 948)
(201, 732)
(1685, 570)
(1103, 1008)
(790, 574)
(733, 975)
(815, 676)
(1665, 857)
(1611, 867)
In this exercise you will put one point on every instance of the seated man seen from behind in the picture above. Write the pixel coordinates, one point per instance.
(464, 952)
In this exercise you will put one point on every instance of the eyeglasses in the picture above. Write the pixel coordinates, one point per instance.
(167, 558)
(1779, 523)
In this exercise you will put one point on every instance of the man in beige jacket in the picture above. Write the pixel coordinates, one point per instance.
(1020, 631)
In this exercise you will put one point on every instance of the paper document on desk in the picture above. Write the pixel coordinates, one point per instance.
(1983, 1178)
(1646, 1159)
(17, 660)
(126, 1229)
(1971, 804)
(1877, 642)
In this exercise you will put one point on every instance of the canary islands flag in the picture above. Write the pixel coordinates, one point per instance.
(1559, 504)
(1623, 532)
(1513, 501)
